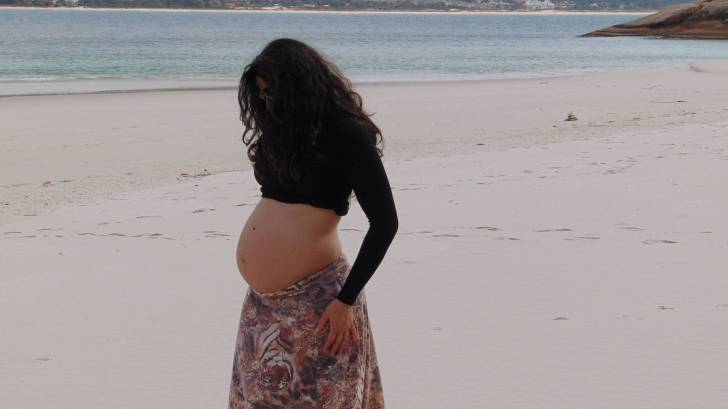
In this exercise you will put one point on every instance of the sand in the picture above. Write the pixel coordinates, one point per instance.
(539, 262)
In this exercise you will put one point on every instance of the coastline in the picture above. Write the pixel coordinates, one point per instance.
(367, 83)
(358, 11)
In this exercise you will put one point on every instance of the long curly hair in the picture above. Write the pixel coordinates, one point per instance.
(305, 90)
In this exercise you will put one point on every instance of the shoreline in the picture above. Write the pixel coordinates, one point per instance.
(325, 10)
(437, 82)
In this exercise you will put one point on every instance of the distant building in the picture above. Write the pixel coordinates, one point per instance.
(539, 4)
(497, 4)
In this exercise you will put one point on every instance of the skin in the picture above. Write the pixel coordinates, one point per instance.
(338, 315)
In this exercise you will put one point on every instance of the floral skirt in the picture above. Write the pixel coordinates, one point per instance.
(279, 362)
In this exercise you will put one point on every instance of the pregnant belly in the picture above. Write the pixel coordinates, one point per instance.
(282, 243)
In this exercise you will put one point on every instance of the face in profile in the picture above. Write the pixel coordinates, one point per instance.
(263, 91)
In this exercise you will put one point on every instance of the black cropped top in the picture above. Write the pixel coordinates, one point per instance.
(344, 160)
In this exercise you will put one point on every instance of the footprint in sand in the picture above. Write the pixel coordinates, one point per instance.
(613, 171)
(630, 228)
(560, 319)
(213, 233)
(550, 230)
(411, 232)
(150, 235)
(652, 241)
(583, 238)
(202, 210)
(445, 235)
(662, 307)
(486, 228)
(507, 238)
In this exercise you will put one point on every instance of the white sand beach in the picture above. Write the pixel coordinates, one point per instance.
(539, 263)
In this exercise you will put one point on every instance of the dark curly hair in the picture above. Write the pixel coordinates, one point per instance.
(306, 90)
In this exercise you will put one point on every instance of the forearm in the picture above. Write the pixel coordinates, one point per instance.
(371, 253)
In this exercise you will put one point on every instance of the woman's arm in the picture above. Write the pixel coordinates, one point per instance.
(370, 184)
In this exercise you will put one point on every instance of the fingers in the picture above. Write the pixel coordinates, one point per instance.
(320, 324)
(329, 341)
(342, 331)
(339, 341)
(353, 334)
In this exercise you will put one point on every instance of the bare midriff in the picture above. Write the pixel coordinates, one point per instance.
(283, 243)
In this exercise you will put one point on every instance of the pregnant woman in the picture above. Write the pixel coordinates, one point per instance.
(304, 338)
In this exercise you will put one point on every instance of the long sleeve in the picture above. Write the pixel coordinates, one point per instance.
(366, 173)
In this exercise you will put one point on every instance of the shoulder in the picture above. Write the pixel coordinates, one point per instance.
(350, 135)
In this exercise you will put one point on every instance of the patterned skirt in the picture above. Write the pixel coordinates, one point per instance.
(279, 362)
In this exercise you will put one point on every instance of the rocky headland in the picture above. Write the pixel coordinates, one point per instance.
(707, 19)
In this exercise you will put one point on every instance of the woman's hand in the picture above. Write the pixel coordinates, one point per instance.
(341, 326)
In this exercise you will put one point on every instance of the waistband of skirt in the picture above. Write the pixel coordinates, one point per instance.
(337, 265)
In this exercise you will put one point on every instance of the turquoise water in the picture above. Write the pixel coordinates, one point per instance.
(87, 50)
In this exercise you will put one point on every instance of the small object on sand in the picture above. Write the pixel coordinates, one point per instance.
(46, 183)
(571, 117)
(204, 172)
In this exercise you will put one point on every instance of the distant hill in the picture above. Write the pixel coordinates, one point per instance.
(364, 4)
(703, 19)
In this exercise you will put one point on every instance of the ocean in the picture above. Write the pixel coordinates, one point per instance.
(49, 51)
